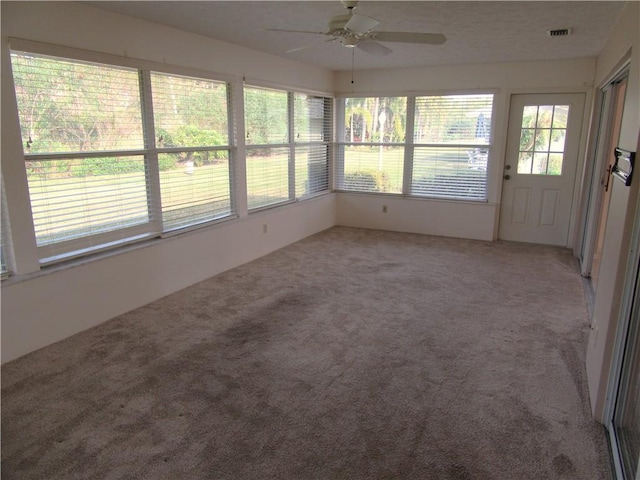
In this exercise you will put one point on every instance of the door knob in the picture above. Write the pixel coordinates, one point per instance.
(507, 177)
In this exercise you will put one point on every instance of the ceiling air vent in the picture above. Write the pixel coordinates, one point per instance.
(561, 32)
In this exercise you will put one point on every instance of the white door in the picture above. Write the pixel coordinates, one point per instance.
(543, 140)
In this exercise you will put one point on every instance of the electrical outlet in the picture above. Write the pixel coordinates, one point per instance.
(384, 209)
(264, 228)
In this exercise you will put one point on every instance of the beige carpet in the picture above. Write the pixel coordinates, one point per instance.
(353, 354)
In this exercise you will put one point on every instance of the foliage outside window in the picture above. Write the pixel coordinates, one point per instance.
(96, 175)
(446, 155)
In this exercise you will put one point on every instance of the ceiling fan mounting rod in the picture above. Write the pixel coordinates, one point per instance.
(350, 4)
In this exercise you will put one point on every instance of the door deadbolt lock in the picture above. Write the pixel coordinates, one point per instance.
(507, 177)
(507, 167)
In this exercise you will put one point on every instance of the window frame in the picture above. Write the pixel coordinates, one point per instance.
(29, 260)
(292, 146)
(91, 244)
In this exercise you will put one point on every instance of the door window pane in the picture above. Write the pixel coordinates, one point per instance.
(542, 139)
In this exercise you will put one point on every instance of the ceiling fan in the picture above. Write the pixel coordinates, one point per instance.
(353, 30)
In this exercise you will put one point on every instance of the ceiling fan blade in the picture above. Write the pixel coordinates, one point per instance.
(292, 31)
(304, 47)
(373, 48)
(360, 23)
(409, 37)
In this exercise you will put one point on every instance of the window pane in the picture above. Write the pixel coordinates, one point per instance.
(77, 198)
(267, 176)
(312, 169)
(527, 139)
(313, 125)
(449, 172)
(545, 114)
(194, 192)
(557, 140)
(524, 162)
(540, 161)
(372, 168)
(71, 106)
(542, 140)
(529, 116)
(312, 118)
(453, 119)
(560, 116)
(189, 112)
(194, 185)
(375, 119)
(266, 117)
(555, 164)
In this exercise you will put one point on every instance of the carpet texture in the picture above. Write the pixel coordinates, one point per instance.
(353, 354)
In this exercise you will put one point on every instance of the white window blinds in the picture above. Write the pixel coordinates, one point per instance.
(313, 128)
(192, 137)
(81, 124)
(452, 137)
(99, 172)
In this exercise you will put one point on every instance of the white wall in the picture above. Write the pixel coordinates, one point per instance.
(463, 219)
(615, 250)
(39, 308)
(82, 26)
(430, 217)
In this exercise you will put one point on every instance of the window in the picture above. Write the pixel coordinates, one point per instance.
(97, 176)
(313, 136)
(288, 145)
(445, 156)
(451, 146)
(268, 150)
(542, 138)
(83, 139)
(372, 155)
(192, 137)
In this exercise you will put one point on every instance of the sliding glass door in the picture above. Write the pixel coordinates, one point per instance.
(622, 415)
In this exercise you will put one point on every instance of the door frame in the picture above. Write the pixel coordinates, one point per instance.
(595, 169)
(582, 149)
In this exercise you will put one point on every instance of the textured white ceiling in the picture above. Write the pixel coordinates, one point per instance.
(476, 31)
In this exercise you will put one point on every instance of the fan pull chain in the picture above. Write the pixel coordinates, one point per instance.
(353, 60)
